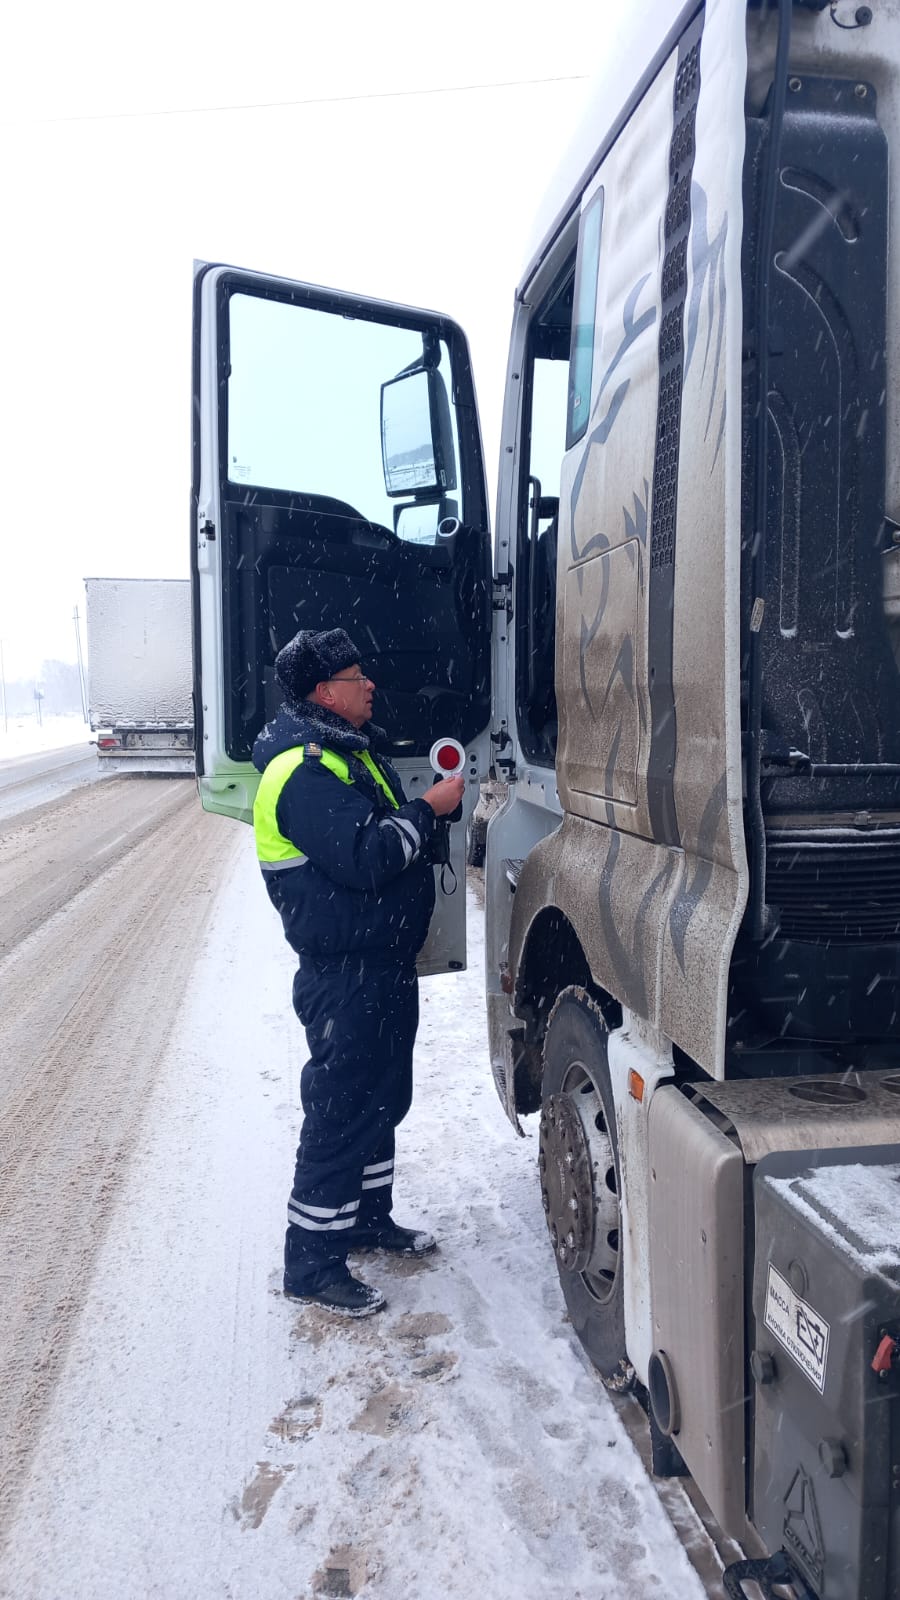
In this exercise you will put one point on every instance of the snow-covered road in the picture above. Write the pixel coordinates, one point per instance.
(28, 780)
(207, 1440)
(103, 899)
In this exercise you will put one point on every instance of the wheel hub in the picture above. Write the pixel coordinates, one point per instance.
(578, 1186)
(566, 1187)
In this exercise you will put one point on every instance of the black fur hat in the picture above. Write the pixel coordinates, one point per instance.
(310, 658)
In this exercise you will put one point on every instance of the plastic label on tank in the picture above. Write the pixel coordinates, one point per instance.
(798, 1327)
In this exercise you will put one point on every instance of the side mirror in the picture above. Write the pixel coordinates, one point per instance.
(416, 436)
(417, 521)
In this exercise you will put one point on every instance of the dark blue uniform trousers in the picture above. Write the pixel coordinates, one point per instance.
(360, 1020)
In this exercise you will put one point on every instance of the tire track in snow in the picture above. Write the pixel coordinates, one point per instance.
(86, 1005)
(49, 856)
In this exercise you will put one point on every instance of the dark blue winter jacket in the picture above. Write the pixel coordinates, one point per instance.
(366, 885)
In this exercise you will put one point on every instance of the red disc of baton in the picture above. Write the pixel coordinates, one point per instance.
(447, 757)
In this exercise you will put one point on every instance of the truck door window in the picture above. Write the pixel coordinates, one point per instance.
(581, 366)
(304, 398)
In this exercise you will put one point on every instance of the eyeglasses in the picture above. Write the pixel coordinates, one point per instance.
(355, 677)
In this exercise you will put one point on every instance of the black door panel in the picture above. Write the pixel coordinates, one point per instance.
(419, 614)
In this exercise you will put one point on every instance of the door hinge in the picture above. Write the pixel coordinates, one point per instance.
(501, 594)
(208, 531)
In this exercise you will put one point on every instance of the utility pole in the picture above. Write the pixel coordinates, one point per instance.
(84, 709)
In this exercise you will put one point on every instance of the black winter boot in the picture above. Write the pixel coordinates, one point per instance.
(388, 1235)
(346, 1296)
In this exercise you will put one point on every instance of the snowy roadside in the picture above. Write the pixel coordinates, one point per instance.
(25, 736)
(209, 1439)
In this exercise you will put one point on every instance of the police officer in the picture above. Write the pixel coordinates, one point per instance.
(346, 859)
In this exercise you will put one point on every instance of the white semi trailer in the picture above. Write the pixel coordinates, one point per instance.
(684, 664)
(139, 672)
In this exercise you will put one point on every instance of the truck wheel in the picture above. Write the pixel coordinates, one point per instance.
(579, 1172)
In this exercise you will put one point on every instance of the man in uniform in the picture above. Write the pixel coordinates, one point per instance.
(346, 859)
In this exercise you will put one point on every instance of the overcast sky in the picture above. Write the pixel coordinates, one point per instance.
(117, 173)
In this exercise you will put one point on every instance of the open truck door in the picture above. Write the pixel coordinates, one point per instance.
(338, 481)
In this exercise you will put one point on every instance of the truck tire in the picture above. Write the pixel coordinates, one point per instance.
(579, 1175)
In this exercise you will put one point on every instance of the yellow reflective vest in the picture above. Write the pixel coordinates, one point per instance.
(273, 850)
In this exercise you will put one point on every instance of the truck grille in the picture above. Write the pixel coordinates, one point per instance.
(835, 890)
